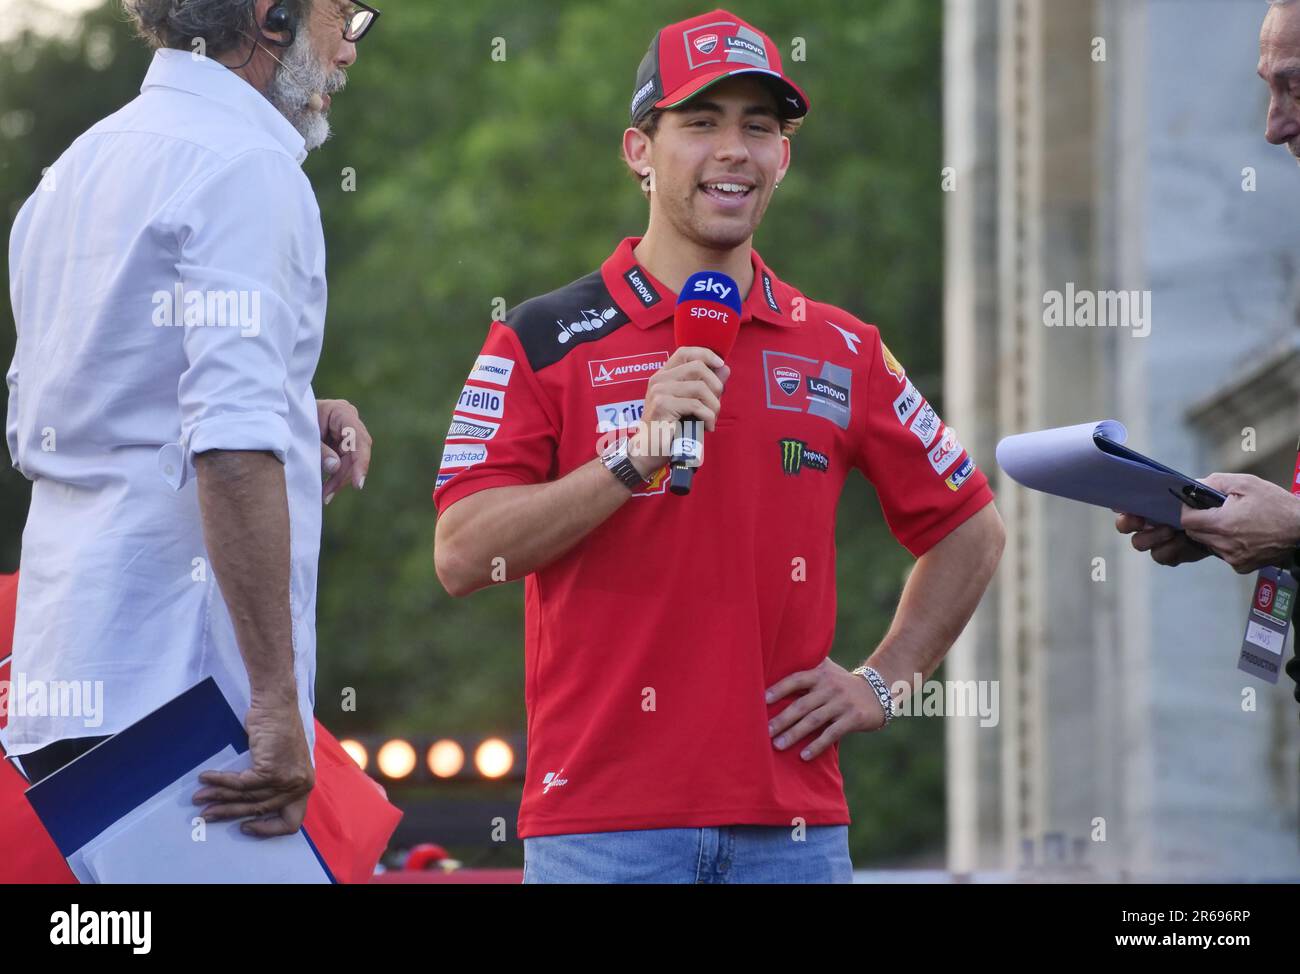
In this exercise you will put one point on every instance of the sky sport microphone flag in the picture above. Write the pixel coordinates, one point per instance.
(708, 316)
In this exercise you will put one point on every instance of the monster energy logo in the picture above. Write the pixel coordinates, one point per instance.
(795, 455)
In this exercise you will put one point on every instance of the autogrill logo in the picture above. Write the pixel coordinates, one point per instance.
(625, 368)
(795, 455)
(648, 295)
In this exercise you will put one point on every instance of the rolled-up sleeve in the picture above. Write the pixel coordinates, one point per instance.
(244, 246)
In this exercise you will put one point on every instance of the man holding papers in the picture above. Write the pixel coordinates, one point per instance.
(168, 286)
(1260, 523)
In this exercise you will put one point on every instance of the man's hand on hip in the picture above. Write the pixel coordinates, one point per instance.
(273, 792)
(831, 699)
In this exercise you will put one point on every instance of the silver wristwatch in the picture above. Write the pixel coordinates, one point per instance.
(882, 692)
(618, 463)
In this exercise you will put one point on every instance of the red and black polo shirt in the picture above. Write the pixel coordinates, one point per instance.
(650, 643)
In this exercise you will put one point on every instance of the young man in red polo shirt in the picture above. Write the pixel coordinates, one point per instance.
(683, 711)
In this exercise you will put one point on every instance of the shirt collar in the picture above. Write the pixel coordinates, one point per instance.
(647, 302)
(210, 79)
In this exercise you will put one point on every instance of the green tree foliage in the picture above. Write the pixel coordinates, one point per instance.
(475, 160)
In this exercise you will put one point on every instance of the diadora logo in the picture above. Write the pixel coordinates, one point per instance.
(625, 368)
(471, 429)
(482, 402)
(635, 278)
(708, 285)
(945, 454)
(908, 402)
(588, 320)
(827, 387)
(787, 379)
(795, 455)
(492, 368)
(552, 779)
(961, 475)
(706, 43)
(850, 339)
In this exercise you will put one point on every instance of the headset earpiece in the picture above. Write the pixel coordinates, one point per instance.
(278, 21)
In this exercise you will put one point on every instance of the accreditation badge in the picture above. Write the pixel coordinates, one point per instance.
(1267, 624)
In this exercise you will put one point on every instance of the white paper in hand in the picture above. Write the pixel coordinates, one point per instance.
(1067, 462)
(159, 842)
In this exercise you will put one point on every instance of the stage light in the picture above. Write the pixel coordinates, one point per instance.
(356, 751)
(494, 758)
(446, 758)
(396, 759)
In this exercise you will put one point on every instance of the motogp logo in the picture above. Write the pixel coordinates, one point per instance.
(787, 379)
(706, 43)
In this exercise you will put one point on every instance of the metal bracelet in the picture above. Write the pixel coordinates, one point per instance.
(877, 683)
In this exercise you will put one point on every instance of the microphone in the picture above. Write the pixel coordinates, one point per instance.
(708, 315)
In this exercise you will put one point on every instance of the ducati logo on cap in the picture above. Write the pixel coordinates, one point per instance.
(705, 43)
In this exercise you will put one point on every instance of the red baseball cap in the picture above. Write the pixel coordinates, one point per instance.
(689, 56)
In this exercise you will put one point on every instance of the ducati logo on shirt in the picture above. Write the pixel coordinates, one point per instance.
(795, 455)
(787, 379)
(827, 387)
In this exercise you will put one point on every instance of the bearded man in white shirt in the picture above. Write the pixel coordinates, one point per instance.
(168, 285)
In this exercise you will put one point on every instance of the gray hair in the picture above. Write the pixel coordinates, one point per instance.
(223, 25)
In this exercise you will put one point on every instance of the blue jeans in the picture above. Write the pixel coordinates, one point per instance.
(725, 854)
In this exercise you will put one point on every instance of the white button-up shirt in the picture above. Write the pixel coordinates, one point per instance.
(168, 285)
